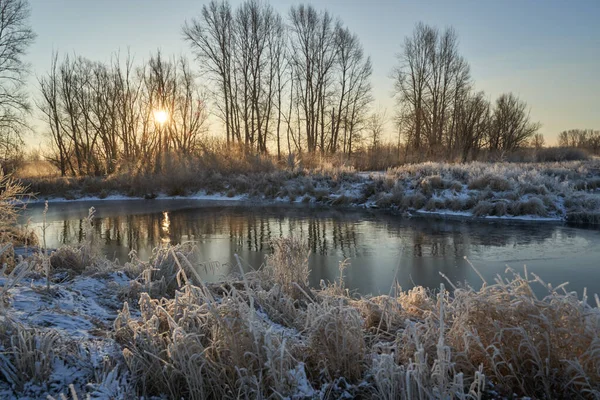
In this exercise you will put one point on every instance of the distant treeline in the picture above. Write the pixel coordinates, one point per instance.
(587, 139)
(293, 84)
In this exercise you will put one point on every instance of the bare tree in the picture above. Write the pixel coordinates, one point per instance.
(471, 123)
(279, 66)
(374, 126)
(50, 107)
(430, 80)
(15, 37)
(353, 91)
(449, 75)
(583, 138)
(537, 141)
(313, 54)
(128, 91)
(511, 127)
(211, 37)
(258, 47)
(410, 82)
(100, 115)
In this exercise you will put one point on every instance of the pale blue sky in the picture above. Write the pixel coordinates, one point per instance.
(547, 52)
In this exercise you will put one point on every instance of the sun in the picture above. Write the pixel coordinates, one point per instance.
(161, 116)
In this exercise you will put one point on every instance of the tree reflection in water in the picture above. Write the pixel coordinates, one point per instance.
(376, 243)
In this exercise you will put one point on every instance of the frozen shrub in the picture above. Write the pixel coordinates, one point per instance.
(430, 206)
(495, 183)
(470, 203)
(430, 184)
(455, 204)
(321, 195)
(532, 206)
(288, 265)
(342, 200)
(247, 337)
(499, 184)
(527, 188)
(436, 182)
(168, 268)
(456, 186)
(433, 204)
(511, 196)
(68, 259)
(241, 183)
(28, 354)
(554, 154)
(483, 208)
(371, 188)
(587, 184)
(415, 200)
(336, 340)
(547, 358)
(500, 208)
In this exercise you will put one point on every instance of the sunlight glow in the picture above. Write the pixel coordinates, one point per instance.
(165, 228)
(161, 116)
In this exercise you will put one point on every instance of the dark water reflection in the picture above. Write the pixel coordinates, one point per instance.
(380, 246)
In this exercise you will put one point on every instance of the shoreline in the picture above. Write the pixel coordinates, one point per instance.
(551, 192)
(244, 200)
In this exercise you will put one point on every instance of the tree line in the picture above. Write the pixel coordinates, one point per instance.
(100, 116)
(302, 81)
(587, 139)
(280, 83)
(439, 111)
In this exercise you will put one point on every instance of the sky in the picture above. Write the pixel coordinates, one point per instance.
(545, 51)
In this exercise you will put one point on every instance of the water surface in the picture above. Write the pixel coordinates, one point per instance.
(382, 248)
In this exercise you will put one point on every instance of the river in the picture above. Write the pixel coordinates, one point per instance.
(381, 248)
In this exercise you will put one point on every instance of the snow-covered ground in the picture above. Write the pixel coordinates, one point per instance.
(65, 329)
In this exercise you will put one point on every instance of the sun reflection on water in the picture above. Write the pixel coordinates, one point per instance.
(165, 228)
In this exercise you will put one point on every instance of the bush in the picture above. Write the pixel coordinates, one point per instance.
(288, 265)
(483, 208)
(560, 154)
(415, 200)
(533, 206)
(495, 183)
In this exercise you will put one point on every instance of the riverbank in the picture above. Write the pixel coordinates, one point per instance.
(566, 191)
(153, 329)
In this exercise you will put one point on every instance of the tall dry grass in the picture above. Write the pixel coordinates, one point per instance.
(267, 334)
(253, 338)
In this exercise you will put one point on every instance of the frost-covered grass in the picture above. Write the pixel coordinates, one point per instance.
(544, 191)
(154, 329)
(548, 190)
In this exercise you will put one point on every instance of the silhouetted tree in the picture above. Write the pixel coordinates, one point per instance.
(15, 37)
(471, 122)
(430, 81)
(588, 139)
(374, 127)
(211, 37)
(511, 127)
(100, 116)
(537, 141)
